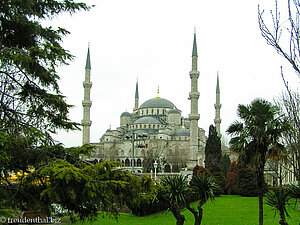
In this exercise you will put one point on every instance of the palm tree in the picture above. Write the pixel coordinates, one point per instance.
(278, 199)
(294, 192)
(257, 136)
(174, 194)
(204, 187)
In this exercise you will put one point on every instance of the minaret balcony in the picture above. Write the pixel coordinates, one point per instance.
(194, 74)
(87, 84)
(86, 122)
(217, 120)
(194, 116)
(194, 95)
(86, 103)
(218, 106)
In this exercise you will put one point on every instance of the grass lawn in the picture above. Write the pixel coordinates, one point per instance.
(226, 210)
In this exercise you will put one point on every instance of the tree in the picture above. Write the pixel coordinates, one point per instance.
(289, 105)
(203, 186)
(224, 164)
(284, 36)
(279, 199)
(29, 55)
(232, 178)
(174, 193)
(213, 151)
(213, 155)
(257, 136)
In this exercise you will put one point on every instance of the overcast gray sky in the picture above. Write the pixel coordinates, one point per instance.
(152, 40)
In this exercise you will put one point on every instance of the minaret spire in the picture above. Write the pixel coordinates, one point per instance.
(194, 115)
(218, 108)
(136, 101)
(87, 103)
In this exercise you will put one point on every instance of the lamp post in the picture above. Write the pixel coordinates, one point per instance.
(140, 137)
(155, 167)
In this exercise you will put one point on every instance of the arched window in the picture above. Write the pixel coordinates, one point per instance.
(127, 163)
(167, 168)
(139, 163)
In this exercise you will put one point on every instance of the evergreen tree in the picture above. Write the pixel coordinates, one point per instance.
(35, 173)
(213, 156)
(213, 151)
(29, 55)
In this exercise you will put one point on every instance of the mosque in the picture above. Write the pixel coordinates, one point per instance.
(155, 131)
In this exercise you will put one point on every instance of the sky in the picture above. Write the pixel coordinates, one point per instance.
(152, 41)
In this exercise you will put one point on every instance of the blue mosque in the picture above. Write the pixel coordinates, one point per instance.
(155, 131)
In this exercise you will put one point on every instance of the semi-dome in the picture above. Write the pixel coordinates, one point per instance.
(157, 103)
(125, 114)
(147, 120)
(182, 132)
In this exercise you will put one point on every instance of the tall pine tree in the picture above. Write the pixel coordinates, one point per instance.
(213, 156)
(213, 151)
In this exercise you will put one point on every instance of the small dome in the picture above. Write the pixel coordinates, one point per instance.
(147, 120)
(125, 114)
(174, 111)
(157, 103)
(182, 132)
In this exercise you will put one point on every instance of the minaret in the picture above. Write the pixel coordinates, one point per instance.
(194, 116)
(136, 101)
(218, 108)
(86, 103)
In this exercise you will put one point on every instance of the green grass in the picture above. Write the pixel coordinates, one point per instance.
(226, 210)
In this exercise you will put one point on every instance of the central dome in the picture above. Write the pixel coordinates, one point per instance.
(157, 103)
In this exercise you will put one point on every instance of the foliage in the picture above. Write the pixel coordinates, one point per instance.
(294, 191)
(278, 200)
(197, 170)
(29, 55)
(213, 155)
(174, 193)
(213, 151)
(60, 176)
(203, 187)
(232, 178)
(257, 137)
(220, 179)
(146, 203)
(246, 182)
(224, 164)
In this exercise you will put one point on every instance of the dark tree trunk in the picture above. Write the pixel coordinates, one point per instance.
(179, 217)
(200, 214)
(196, 215)
(260, 182)
(282, 219)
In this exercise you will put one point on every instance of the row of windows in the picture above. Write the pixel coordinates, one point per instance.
(128, 162)
(143, 112)
(146, 126)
